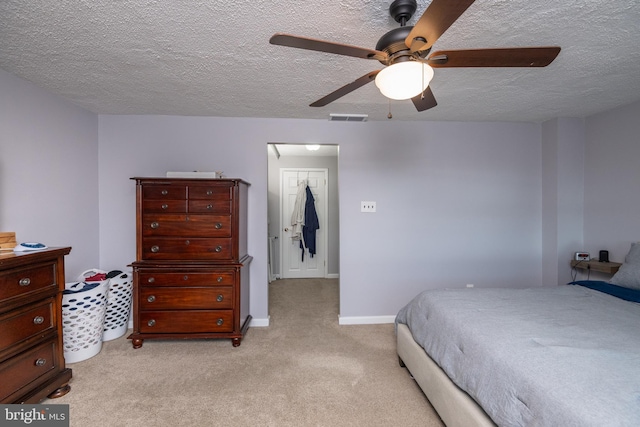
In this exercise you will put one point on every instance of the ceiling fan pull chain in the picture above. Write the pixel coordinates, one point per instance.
(389, 116)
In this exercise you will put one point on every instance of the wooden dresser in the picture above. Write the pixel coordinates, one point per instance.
(32, 365)
(191, 274)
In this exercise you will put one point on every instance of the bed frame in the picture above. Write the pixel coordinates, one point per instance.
(455, 407)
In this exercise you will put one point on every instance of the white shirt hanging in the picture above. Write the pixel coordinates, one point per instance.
(297, 217)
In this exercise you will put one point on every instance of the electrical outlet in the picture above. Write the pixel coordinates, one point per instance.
(469, 285)
(367, 206)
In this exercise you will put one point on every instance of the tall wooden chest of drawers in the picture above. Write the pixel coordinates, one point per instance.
(32, 364)
(191, 274)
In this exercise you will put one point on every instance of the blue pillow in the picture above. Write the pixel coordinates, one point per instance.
(621, 292)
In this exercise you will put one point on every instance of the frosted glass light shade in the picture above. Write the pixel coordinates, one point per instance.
(404, 80)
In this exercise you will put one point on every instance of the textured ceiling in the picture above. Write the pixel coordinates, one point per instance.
(213, 58)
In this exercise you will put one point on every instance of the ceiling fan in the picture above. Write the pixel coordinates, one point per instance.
(406, 53)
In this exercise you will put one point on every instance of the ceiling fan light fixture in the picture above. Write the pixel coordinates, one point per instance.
(404, 80)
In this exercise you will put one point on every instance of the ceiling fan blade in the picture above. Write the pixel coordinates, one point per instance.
(369, 77)
(434, 22)
(326, 46)
(424, 102)
(506, 57)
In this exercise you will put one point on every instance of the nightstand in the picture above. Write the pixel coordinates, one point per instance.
(592, 265)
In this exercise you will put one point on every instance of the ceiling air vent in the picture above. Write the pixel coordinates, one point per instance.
(348, 117)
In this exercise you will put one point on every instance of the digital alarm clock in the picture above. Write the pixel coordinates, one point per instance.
(582, 256)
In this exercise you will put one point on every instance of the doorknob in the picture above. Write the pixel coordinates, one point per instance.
(286, 229)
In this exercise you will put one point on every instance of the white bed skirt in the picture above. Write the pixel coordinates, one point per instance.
(455, 407)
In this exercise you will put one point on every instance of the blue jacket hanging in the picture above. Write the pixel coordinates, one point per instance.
(311, 224)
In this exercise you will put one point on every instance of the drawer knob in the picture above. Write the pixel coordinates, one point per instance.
(220, 298)
(219, 279)
(151, 322)
(25, 281)
(38, 320)
(185, 277)
(155, 249)
(218, 226)
(220, 322)
(218, 248)
(151, 298)
(209, 192)
(155, 225)
(151, 279)
(209, 207)
(165, 192)
(41, 362)
(164, 206)
(187, 242)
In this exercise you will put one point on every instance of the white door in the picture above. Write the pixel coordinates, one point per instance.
(293, 265)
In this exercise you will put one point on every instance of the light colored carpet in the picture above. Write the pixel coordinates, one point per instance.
(302, 370)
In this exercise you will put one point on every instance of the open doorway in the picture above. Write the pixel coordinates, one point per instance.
(290, 164)
(308, 260)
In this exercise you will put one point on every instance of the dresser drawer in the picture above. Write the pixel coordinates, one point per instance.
(186, 321)
(173, 206)
(164, 192)
(186, 225)
(26, 322)
(222, 191)
(167, 298)
(220, 277)
(27, 369)
(18, 282)
(159, 248)
(210, 206)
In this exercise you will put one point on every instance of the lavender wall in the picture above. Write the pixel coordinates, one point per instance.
(612, 181)
(49, 172)
(562, 197)
(457, 203)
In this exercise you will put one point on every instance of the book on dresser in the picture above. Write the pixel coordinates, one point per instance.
(191, 273)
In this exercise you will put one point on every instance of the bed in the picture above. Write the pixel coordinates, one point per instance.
(548, 356)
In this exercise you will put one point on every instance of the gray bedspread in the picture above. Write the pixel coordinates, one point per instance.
(554, 356)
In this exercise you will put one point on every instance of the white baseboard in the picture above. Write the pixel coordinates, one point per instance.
(365, 320)
(342, 320)
(333, 276)
(259, 323)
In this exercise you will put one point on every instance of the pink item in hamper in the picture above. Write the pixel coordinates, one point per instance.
(98, 277)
